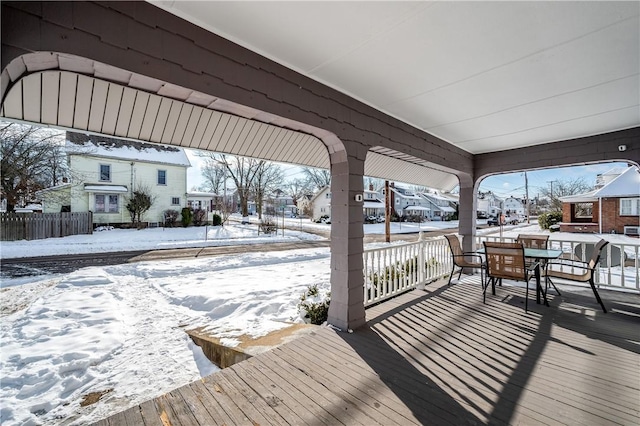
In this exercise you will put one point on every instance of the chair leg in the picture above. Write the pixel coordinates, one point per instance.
(451, 274)
(595, 291)
(554, 286)
(460, 274)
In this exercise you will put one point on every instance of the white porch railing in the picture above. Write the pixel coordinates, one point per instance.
(619, 264)
(392, 270)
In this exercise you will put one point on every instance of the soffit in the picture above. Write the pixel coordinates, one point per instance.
(79, 94)
(178, 117)
(484, 76)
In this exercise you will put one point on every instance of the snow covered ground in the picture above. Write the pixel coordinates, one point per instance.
(120, 330)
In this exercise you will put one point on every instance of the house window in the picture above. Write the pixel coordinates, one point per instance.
(105, 172)
(106, 203)
(162, 177)
(175, 201)
(584, 210)
(629, 206)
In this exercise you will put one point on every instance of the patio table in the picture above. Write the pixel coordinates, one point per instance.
(542, 256)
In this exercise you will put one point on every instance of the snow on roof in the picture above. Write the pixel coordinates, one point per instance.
(399, 192)
(98, 146)
(54, 188)
(627, 184)
(201, 194)
(105, 188)
(371, 204)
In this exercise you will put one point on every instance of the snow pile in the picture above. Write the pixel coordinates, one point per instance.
(119, 331)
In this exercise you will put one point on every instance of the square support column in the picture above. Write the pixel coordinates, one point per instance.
(346, 310)
(467, 215)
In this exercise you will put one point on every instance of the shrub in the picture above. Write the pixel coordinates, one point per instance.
(545, 220)
(187, 216)
(268, 225)
(199, 217)
(216, 220)
(314, 307)
(170, 217)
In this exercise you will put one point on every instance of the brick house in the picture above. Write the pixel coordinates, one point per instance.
(612, 207)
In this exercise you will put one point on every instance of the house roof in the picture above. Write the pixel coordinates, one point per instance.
(626, 184)
(317, 194)
(105, 188)
(99, 146)
(399, 191)
(371, 204)
(54, 188)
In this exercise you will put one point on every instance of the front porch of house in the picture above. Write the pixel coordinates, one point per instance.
(438, 356)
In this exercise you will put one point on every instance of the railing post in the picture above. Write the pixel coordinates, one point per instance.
(422, 265)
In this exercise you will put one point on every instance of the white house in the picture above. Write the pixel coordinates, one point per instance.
(106, 171)
(373, 204)
(406, 203)
(440, 207)
(514, 206)
(321, 203)
(488, 204)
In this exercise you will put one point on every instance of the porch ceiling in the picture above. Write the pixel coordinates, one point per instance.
(71, 92)
(484, 76)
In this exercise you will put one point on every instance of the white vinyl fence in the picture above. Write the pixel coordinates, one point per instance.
(619, 264)
(394, 269)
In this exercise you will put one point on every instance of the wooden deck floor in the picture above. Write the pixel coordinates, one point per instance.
(434, 357)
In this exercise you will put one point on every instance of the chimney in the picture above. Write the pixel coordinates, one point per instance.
(370, 187)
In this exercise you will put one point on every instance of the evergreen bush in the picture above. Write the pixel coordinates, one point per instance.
(187, 216)
(545, 220)
(313, 307)
(216, 220)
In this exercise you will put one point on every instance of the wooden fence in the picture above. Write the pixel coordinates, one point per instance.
(38, 226)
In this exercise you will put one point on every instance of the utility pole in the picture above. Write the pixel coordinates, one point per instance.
(387, 212)
(526, 196)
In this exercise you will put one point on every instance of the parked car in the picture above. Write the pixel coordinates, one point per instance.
(492, 221)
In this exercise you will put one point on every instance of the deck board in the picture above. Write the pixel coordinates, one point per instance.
(438, 356)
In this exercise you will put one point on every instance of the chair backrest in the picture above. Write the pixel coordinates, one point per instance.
(505, 260)
(597, 252)
(533, 241)
(454, 245)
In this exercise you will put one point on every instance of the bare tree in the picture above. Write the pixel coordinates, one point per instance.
(563, 188)
(298, 188)
(242, 171)
(266, 179)
(32, 158)
(138, 203)
(318, 178)
(214, 174)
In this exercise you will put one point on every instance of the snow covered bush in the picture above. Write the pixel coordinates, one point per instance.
(313, 306)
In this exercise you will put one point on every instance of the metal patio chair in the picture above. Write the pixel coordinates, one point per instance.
(585, 270)
(506, 260)
(463, 259)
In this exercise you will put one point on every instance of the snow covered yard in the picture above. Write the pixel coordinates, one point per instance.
(148, 239)
(119, 330)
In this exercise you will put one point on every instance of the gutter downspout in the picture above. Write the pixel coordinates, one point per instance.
(600, 214)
